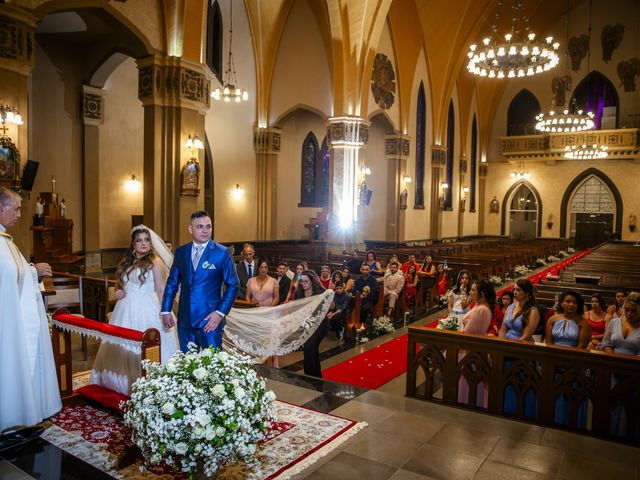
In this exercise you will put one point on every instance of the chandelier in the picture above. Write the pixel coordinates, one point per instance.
(230, 89)
(565, 121)
(586, 152)
(519, 55)
(520, 172)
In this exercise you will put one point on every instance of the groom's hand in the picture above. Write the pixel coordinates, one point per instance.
(213, 320)
(167, 320)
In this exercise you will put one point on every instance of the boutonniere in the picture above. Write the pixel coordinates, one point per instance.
(208, 266)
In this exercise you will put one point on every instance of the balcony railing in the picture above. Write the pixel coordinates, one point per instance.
(621, 143)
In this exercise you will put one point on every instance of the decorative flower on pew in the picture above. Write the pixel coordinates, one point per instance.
(382, 325)
(201, 410)
(521, 270)
(562, 254)
(540, 262)
(452, 322)
(552, 258)
(571, 250)
(495, 280)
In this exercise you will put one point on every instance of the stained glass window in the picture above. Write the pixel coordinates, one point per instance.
(592, 196)
(420, 146)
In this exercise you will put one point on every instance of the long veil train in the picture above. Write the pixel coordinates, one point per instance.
(266, 331)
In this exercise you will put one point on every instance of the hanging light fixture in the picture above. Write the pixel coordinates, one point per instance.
(519, 55)
(230, 89)
(586, 152)
(9, 115)
(521, 171)
(571, 119)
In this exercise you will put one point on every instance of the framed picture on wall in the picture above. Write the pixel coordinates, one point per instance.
(190, 179)
(9, 163)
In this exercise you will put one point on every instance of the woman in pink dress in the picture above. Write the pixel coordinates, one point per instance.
(476, 321)
(263, 289)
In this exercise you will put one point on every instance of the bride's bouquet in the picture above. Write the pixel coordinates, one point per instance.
(450, 322)
(201, 410)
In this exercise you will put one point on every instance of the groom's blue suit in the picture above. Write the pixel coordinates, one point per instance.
(201, 292)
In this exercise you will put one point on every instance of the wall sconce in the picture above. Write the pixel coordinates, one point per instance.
(632, 222)
(134, 184)
(406, 179)
(445, 186)
(194, 144)
(237, 193)
(9, 115)
(465, 190)
(550, 221)
(365, 170)
(463, 199)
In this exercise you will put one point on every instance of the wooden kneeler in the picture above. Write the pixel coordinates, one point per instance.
(63, 325)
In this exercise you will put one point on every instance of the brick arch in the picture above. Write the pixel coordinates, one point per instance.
(575, 183)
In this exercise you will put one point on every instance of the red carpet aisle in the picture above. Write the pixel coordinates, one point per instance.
(298, 439)
(373, 368)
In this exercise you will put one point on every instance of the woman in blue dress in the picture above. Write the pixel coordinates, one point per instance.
(372, 261)
(520, 322)
(569, 328)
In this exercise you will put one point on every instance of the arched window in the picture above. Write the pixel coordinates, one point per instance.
(314, 173)
(451, 135)
(595, 93)
(474, 164)
(420, 146)
(214, 38)
(523, 213)
(521, 116)
(592, 196)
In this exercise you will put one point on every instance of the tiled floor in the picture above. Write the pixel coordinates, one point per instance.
(408, 439)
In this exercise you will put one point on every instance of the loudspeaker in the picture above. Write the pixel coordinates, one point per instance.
(29, 174)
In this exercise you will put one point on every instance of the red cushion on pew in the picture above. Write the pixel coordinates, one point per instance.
(113, 330)
(103, 396)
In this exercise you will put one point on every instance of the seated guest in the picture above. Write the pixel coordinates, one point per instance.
(410, 285)
(392, 258)
(284, 282)
(428, 268)
(596, 317)
(412, 260)
(346, 278)
(336, 277)
(263, 289)
(300, 267)
(246, 269)
(568, 328)
(522, 317)
(393, 284)
(325, 278)
(615, 311)
(372, 261)
(339, 310)
(622, 335)
(477, 321)
(459, 301)
(498, 314)
(367, 285)
(443, 279)
(354, 264)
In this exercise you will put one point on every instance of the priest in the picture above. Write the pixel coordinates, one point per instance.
(28, 384)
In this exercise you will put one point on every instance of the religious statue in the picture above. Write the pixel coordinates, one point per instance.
(578, 48)
(38, 219)
(632, 222)
(628, 70)
(463, 204)
(363, 193)
(53, 185)
(404, 198)
(560, 86)
(63, 209)
(494, 206)
(550, 221)
(441, 201)
(190, 178)
(611, 37)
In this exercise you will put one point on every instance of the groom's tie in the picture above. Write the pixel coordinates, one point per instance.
(196, 257)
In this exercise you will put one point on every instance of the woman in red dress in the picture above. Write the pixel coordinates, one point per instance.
(596, 318)
(442, 280)
(410, 283)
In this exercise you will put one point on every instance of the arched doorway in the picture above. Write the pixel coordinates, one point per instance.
(591, 213)
(523, 213)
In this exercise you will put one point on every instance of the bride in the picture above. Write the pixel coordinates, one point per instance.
(141, 275)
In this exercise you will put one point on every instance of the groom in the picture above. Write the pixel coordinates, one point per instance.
(200, 268)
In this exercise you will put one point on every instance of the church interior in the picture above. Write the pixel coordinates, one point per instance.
(316, 128)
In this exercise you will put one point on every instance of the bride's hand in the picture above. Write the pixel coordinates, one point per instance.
(120, 294)
(167, 320)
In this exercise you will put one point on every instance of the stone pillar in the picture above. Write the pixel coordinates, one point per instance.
(175, 96)
(266, 144)
(462, 198)
(16, 62)
(92, 118)
(438, 162)
(397, 151)
(481, 200)
(347, 138)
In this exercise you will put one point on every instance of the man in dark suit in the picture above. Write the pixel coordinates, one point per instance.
(200, 269)
(284, 282)
(367, 285)
(246, 269)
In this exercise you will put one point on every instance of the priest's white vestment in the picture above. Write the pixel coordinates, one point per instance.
(28, 385)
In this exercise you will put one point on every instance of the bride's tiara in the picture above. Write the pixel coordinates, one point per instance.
(139, 227)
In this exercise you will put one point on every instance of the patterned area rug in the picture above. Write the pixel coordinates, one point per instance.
(297, 439)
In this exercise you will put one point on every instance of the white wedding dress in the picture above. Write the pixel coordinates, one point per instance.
(116, 367)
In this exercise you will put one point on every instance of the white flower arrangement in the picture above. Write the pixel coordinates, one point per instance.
(552, 258)
(540, 262)
(452, 322)
(562, 254)
(495, 280)
(363, 340)
(571, 250)
(202, 409)
(521, 270)
(382, 325)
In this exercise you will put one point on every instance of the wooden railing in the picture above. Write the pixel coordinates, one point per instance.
(596, 386)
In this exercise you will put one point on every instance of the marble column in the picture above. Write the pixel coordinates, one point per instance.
(438, 163)
(347, 138)
(482, 199)
(175, 94)
(266, 144)
(397, 151)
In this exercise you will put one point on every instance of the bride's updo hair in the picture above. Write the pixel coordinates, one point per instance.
(125, 267)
